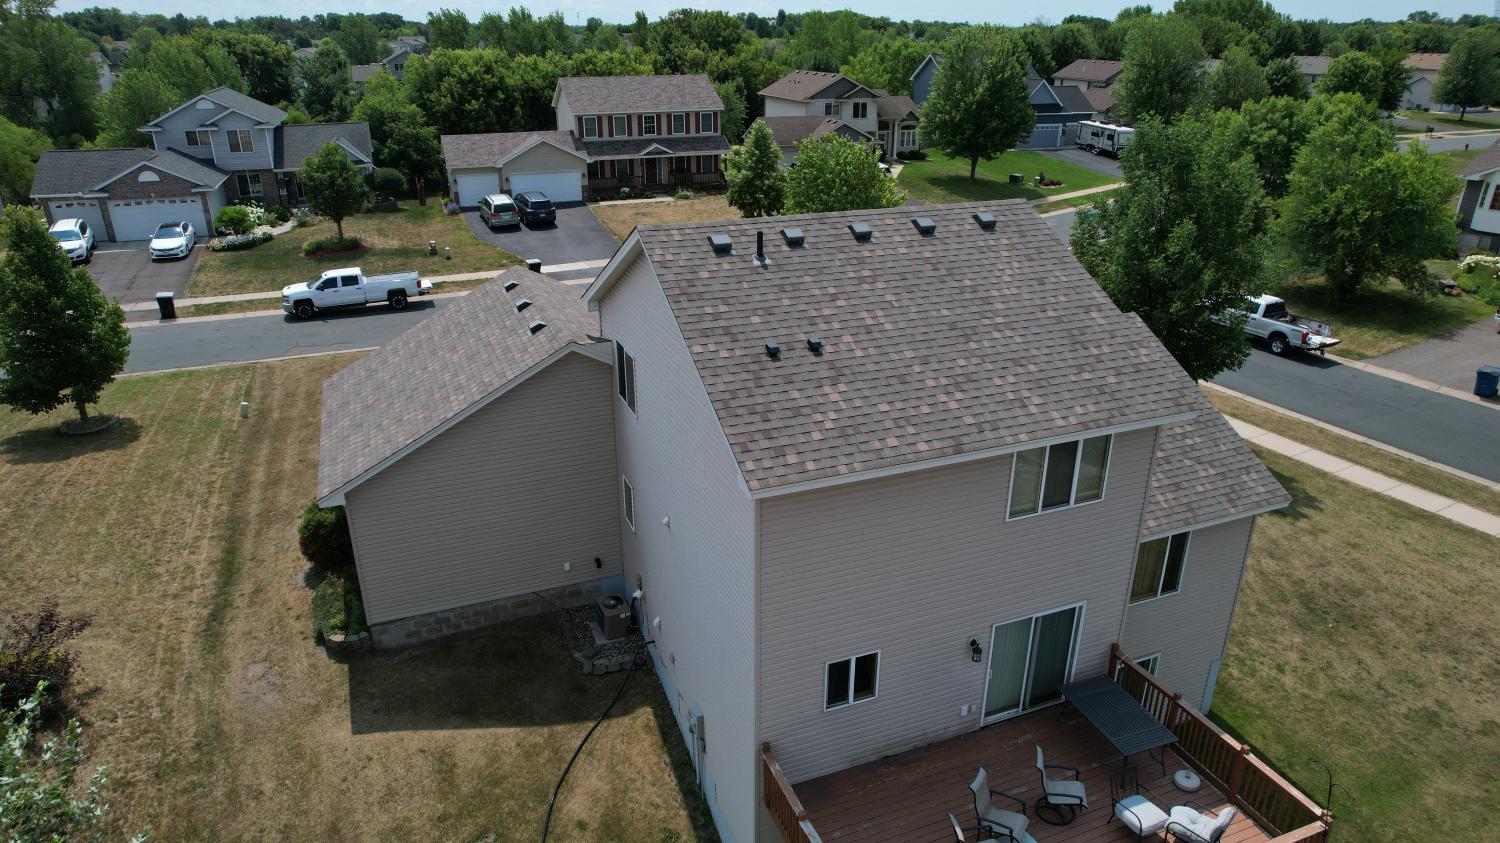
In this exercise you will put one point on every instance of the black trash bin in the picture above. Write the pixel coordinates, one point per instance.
(1487, 381)
(167, 305)
(1017, 178)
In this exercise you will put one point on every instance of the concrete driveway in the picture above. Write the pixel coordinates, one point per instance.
(1449, 360)
(578, 237)
(126, 273)
(1098, 163)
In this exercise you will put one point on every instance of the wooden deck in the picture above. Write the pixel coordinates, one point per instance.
(906, 798)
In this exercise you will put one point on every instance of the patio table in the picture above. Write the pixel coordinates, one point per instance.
(1118, 716)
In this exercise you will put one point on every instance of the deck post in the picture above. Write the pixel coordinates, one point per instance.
(1237, 773)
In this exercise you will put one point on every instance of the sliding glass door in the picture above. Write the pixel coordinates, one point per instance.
(1029, 659)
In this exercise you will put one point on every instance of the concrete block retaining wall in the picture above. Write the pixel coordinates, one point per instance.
(425, 627)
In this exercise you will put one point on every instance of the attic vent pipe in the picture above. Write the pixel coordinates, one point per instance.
(815, 345)
(760, 249)
(510, 285)
(773, 350)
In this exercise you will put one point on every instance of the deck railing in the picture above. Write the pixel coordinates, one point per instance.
(782, 802)
(1249, 784)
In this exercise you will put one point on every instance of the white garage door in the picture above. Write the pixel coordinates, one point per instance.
(475, 186)
(137, 219)
(559, 185)
(82, 209)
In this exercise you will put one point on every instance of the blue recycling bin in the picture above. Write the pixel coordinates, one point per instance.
(1487, 381)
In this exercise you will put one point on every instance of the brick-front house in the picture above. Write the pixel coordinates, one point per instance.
(652, 133)
(214, 149)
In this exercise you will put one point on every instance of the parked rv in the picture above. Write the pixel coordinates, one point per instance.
(1103, 138)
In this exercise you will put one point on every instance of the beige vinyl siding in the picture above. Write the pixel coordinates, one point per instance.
(915, 566)
(778, 107)
(497, 504)
(544, 157)
(697, 571)
(1189, 628)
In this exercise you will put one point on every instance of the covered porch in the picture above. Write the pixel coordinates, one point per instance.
(654, 174)
(907, 797)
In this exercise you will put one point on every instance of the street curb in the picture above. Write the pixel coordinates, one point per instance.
(1412, 380)
(245, 362)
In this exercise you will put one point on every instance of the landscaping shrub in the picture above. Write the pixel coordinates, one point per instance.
(337, 608)
(234, 219)
(683, 193)
(1479, 275)
(323, 536)
(279, 214)
(912, 155)
(32, 652)
(303, 216)
(333, 243)
(386, 181)
(240, 241)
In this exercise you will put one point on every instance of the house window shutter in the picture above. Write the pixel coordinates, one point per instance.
(697, 122)
(580, 125)
(609, 125)
(715, 121)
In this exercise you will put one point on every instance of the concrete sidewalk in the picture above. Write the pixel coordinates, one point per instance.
(1374, 481)
(1103, 188)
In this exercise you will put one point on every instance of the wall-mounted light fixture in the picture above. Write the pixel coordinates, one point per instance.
(975, 651)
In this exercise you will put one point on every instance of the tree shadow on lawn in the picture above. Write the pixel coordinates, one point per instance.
(982, 188)
(1389, 308)
(1304, 503)
(46, 445)
(517, 674)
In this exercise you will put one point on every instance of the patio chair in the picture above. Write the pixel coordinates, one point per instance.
(1137, 812)
(1009, 825)
(1063, 799)
(1193, 825)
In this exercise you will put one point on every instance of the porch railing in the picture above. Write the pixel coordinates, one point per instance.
(782, 802)
(1230, 766)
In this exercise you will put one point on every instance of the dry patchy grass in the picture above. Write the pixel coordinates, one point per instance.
(202, 689)
(622, 218)
(1365, 638)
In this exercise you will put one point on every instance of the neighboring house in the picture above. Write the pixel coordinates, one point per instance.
(890, 120)
(394, 64)
(790, 131)
(1425, 68)
(1102, 102)
(1313, 69)
(107, 75)
(1089, 73)
(212, 150)
(1057, 109)
(652, 133)
(921, 78)
(832, 469)
(1479, 204)
(410, 43)
(305, 52)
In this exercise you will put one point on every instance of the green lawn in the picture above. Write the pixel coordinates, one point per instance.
(397, 241)
(1458, 159)
(1382, 320)
(944, 179)
(1363, 638)
(1481, 120)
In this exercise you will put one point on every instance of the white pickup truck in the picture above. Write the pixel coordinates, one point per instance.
(349, 287)
(1267, 317)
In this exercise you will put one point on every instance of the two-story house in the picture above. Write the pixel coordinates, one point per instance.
(214, 149)
(880, 478)
(1089, 73)
(886, 120)
(1479, 205)
(642, 133)
(394, 64)
(1056, 107)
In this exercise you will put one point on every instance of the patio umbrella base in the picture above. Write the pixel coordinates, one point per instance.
(1053, 814)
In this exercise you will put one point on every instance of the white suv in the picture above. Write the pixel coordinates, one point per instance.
(75, 238)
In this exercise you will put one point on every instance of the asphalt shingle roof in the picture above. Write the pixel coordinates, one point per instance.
(1313, 65)
(804, 85)
(484, 150)
(1487, 160)
(1100, 100)
(1073, 99)
(295, 143)
(1425, 61)
(934, 346)
(679, 144)
(894, 106)
(443, 366)
(1204, 472)
(787, 131)
(1091, 70)
(62, 172)
(199, 172)
(617, 94)
(248, 105)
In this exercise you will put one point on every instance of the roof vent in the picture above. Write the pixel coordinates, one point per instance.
(510, 285)
(861, 232)
(760, 249)
(815, 345)
(536, 326)
(721, 243)
(925, 226)
(986, 220)
(522, 305)
(773, 350)
(793, 237)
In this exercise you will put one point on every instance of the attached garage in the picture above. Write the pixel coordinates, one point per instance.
(1044, 136)
(137, 219)
(80, 209)
(559, 185)
(472, 187)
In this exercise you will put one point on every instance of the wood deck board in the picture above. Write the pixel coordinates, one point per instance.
(905, 798)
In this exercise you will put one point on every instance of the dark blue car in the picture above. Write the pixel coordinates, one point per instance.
(536, 208)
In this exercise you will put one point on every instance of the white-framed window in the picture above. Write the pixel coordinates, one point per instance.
(622, 125)
(831, 109)
(852, 680)
(1149, 663)
(199, 137)
(859, 110)
(679, 124)
(908, 138)
(648, 124)
(591, 127)
(625, 376)
(1158, 567)
(241, 140)
(1058, 476)
(248, 184)
(627, 502)
(706, 122)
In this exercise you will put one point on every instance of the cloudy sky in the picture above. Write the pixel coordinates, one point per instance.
(1006, 12)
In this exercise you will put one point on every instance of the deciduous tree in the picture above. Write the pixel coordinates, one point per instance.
(1471, 74)
(978, 105)
(1237, 80)
(61, 340)
(333, 184)
(732, 120)
(834, 173)
(757, 183)
(19, 149)
(449, 29)
(327, 88)
(1284, 78)
(136, 98)
(1163, 73)
(1354, 73)
(359, 40)
(887, 64)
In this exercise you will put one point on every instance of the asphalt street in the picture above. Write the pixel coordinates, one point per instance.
(1440, 143)
(1448, 430)
(577, 237)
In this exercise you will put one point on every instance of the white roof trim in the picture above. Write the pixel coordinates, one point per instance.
(647, 150)
(87, 195)
(528, 147)
(617, 263)
(957, 459)
(930, 58)
(349, 146)
(598, 351)
(190, 101)
(1212, 522)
